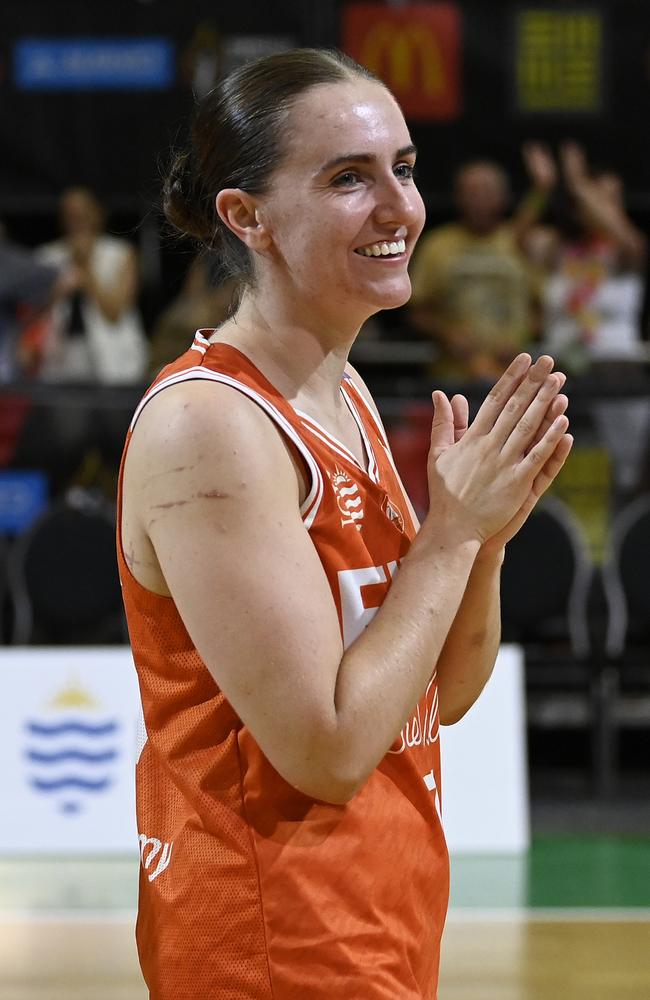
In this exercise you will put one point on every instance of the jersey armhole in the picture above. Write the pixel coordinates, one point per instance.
(298, 448)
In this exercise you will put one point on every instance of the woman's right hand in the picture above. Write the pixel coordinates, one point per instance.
(478, 480)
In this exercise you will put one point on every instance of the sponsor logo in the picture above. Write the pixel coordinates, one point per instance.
(154, 854)
(348, 498)
(93, 63)
(415, 48)
(423, 729)
(70, 749)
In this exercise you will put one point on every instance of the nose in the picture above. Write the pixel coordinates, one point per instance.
(398, 205)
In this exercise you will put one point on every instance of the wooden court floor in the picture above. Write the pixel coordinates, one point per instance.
(501, 956)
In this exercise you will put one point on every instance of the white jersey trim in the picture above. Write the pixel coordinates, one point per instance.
(310, 505)
(373, 468)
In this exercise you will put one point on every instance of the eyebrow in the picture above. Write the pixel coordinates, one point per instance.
(409, 150)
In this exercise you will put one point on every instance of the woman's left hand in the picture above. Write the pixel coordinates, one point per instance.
(493, 547)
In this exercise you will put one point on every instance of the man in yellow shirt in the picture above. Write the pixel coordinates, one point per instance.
(473, 291)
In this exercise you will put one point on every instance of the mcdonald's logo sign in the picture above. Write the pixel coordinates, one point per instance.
(415, 49)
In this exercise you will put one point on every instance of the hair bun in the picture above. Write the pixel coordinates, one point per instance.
(180, 202)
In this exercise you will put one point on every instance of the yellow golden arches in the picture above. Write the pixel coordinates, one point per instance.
(407, 47)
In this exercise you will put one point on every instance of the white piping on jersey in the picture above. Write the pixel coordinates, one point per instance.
(324, 435)
(381, 433)
(309, 507)
(199, 348)
(335, 445)
(373, 469)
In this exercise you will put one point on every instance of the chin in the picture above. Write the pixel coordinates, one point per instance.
(391, 298)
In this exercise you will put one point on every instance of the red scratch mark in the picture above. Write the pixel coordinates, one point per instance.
(213, 495)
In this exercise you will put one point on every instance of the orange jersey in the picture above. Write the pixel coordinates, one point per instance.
(249, 888)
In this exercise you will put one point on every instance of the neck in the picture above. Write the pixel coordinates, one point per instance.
(304, 358)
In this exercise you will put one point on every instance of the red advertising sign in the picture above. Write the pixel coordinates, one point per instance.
(415, 49)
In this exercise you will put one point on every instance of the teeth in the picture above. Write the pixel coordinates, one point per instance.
(383, 249)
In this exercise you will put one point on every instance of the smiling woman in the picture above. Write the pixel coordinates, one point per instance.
(297, 645)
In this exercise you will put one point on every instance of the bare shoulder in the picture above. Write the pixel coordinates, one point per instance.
(205, 425)
(197, 443)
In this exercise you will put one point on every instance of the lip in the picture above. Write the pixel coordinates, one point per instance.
(396, 258)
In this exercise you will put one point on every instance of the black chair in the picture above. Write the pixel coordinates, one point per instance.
(545, 582)
(63, 579)
(627, 640)
(545, 592)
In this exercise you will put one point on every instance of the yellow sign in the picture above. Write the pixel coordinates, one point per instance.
(559, 60)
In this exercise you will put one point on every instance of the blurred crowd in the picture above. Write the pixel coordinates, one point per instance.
(560, 270)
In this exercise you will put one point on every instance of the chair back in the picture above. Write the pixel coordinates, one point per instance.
(625, 577)
(63, 576)
(546, 579)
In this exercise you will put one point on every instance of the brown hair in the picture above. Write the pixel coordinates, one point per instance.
(238, 138)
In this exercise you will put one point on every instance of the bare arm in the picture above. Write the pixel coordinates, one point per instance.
(542, 173)
(469, 654)
(249, 585)
(467, 658)
(607, 210)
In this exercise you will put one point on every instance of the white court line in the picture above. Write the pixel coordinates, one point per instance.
(549, 914)
(457, 915)
(67, 916)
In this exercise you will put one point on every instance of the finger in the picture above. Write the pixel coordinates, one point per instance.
(556, 408)
(501, 393)
(524, 412)
(534, 462)
(442, 428)
(553, 466)
(460, 408)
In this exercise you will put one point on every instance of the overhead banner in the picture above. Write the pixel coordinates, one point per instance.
(415, 48)
(558, 60)
(93, 64)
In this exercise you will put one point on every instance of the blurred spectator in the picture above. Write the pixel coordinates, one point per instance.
(24, 284)
(473, 291)
(593, 301)
(94, 333)
(202, 303)
(594, 292)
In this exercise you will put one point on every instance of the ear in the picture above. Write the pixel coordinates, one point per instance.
(237, 209)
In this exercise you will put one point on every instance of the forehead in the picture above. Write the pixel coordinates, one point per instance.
(352, 117)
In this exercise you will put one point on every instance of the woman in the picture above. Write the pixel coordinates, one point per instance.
(288, 789)
(95, 333)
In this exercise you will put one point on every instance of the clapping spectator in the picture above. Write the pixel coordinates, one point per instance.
(95, 333)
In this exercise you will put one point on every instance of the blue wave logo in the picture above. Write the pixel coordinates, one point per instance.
(71, 758)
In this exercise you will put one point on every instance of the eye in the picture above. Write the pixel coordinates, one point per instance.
(347, 179)
(406, 171)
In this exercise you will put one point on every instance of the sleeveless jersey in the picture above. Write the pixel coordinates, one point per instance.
(248, 887)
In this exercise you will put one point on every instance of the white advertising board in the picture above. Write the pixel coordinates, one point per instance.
(485, 766)
(68, 737)
(68, 729)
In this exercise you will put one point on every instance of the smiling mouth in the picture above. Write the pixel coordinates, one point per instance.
(383, 249)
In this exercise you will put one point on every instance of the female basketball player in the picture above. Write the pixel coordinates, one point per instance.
(297, 644)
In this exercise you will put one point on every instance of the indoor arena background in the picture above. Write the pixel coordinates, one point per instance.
(531, 109)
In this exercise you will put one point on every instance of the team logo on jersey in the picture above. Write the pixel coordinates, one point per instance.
(393, 513)
(348, 498)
